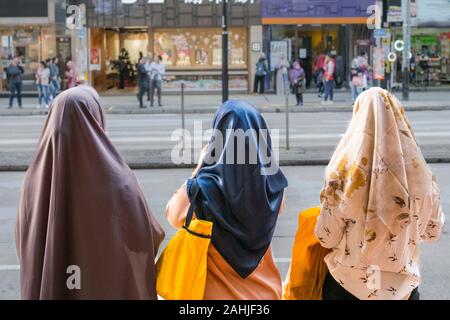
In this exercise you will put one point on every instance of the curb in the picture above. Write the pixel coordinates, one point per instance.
(293, 109)
(167, 165)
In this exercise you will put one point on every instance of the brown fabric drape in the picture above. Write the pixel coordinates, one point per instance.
(82, 206)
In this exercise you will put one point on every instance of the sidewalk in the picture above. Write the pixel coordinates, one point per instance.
(161, 159)
(127, 104)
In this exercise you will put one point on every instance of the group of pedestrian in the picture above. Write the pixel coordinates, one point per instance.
(379, 201)
(289, 78)
(47, 79)
(327, 72)
(150, 74)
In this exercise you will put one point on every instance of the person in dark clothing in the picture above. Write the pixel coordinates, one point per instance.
(14, 75)
(297, 78)
(260, 74)
(332, 290)
(143, 80)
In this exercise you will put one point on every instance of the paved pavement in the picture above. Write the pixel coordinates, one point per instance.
(145, 140)
(304, 187)
(127, 103)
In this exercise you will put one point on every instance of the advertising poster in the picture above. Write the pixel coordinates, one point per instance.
(277, 50)
(378, 64)
(94, 59)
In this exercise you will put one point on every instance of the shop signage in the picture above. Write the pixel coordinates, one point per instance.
(189, 1)
(432, 13)
(23, 8)
(313, 12)
(380, 33)
(256, 46)
(303, 53)
(394, 14)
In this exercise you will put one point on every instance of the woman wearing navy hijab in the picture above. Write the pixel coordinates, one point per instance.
(241, 191)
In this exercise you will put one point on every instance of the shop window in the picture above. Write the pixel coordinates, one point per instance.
(200, 48)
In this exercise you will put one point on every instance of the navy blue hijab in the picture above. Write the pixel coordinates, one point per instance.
(242, 200)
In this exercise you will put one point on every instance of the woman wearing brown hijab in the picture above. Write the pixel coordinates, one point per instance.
(84, 230)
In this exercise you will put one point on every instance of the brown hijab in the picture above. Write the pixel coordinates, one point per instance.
(82, 206)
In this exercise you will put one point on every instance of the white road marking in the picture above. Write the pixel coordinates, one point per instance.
(9, 267)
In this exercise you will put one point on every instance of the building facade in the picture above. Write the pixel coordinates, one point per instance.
(304, 29)
(186, 34)
(35, 30)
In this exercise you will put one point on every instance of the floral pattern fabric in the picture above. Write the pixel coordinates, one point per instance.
(380, 200)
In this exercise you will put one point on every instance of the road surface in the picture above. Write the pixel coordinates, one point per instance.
(305, 183)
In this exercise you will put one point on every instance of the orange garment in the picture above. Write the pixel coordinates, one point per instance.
(222, 282)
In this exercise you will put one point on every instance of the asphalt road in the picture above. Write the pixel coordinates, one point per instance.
(305, 183)
(312, 135)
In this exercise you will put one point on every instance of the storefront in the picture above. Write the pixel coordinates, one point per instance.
(36, 30)
(430, 42)
(186, 35)
(310, 29)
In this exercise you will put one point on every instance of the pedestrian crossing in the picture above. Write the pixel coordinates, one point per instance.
(153, 132)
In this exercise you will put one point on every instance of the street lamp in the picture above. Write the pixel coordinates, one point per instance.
(224, 51)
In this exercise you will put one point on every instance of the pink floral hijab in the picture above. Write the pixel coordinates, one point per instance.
(378, 174)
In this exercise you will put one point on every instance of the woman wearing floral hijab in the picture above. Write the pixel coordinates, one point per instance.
(243, 200)
(84, 230)
(379, 202)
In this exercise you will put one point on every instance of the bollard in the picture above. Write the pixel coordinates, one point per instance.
(182, 115)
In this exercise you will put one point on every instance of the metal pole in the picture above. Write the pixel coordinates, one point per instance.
(287, 120)
(224, 51)
(406, 12)
(182, 114)
(384, 26)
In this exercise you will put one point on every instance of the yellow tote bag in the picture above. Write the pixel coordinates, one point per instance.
(307, 270)
(181, 268)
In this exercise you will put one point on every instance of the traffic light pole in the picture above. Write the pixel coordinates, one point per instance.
(224, 51)
(384, 25)
(406, 13)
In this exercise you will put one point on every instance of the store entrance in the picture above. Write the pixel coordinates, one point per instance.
(119, 50)
(124, 48)
(308, 42)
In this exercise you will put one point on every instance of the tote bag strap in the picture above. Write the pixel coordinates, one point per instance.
(192, 188)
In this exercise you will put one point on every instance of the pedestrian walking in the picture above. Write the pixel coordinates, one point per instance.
(282, 76)
(86, 233)
(319, 74)
(297, 79)
(260, 74)
(43, 83)
(157, 73)
(14, 76)
(71, 74)
(242, 200)
(328, 78)
(55, 78)
(143, 81)
(379, 202)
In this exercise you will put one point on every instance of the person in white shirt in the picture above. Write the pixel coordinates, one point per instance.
(43, 82)
(380, 200)
(157, 73)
